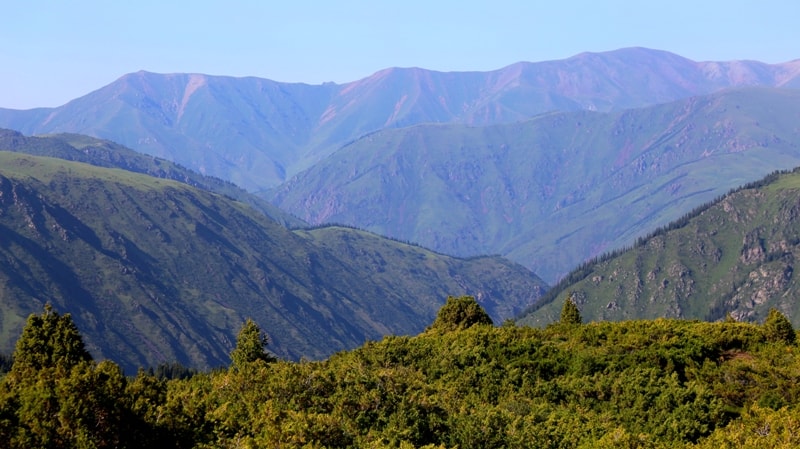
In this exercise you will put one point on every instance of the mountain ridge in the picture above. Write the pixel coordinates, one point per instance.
(156, 271)
(550, 192)
(732, 257)
(257, 132)
(104, 153)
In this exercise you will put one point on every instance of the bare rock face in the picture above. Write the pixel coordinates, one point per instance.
(752, 248)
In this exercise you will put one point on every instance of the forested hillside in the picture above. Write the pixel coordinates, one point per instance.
(461, 383)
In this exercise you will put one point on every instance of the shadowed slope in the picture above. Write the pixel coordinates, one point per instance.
(156, 271)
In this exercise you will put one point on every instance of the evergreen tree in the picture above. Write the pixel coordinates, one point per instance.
(460, 313)
(48, 340)
(570, 313)
(778, 328)
(55, 395)
(250, 346)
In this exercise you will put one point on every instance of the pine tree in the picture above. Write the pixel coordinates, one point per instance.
(48, 340)
(778, 328)
(570, 313)
(250, 346)
(55, 395)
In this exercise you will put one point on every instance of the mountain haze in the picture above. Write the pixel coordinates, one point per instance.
(156, 271)
(257, 133)
(555, 190)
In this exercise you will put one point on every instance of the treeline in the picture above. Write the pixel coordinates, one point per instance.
(684, 219)
(462, 383)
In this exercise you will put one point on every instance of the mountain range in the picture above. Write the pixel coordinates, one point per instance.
(554, 190)
(257, 133)
(169, 247)
(534, 161)
(157, 271)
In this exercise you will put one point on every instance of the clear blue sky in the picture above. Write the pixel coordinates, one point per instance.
(57, 50)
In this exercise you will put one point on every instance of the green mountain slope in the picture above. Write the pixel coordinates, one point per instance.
(154, 271)
(736, 256)
(104, 153)
(555, 190)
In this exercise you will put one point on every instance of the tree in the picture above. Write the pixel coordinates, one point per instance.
(778, 328)
(48, 340)
(250, 344)
(570, 313)
(55, 395)
(460, 313)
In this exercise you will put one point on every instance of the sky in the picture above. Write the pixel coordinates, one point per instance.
(52, 51)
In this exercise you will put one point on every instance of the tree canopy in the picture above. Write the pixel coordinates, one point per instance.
(570, 313)
(251, 345)
(48, 340)
(778, 328)
(650, 383)
(460, 313)
(56, 396)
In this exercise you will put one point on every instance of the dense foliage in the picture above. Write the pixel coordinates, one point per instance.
(661, 383)
(250, 346)
(460, 313)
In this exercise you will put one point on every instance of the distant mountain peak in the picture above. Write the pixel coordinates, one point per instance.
(257, 132)
(195, 82)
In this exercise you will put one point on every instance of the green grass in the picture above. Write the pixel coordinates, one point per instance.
(103, 153)
(43, 169)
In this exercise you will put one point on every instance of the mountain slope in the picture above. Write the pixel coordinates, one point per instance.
(736, 256)
(558, 189)
(257, 133)
(154, 271)
(104, 153)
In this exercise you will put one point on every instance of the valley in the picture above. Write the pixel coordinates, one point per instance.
(156, 271)
(400, 225)
(310, 207)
